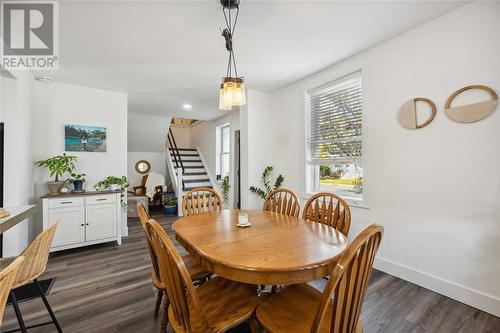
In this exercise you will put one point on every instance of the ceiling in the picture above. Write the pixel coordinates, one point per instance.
(168, 53)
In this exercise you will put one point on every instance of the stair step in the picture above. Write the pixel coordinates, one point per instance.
(194, 166)
(185, 149)
(194, 173)
(196, 180)
(191, 161)
(185, 155)
(186, 188)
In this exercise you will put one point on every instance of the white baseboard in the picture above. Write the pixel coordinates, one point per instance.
(477, 299)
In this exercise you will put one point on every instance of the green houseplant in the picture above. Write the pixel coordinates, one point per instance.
(114, 183)
(77, 179)
(225, 187)
(266, 182)
(58, 166)
(171, 206)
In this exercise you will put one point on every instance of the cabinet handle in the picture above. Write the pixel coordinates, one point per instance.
(102, 199)
(66, 202)
(82, 224)
(86, 224)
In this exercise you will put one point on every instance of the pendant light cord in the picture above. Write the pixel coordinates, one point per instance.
(228, 34)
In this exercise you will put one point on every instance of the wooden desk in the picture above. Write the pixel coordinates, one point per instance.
(276, 249)
(17, 215)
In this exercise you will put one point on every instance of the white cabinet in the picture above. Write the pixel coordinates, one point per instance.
(100, 222)
(72, 229)
(84, 219)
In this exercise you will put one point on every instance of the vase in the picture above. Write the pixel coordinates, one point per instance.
(54, 187)
(171, 210)
(78, 185)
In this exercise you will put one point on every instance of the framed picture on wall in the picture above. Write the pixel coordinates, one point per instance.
(84, 138)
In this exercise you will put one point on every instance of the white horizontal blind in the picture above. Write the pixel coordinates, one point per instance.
(333, 122)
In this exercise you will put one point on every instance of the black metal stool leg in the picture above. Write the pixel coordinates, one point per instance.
(47, 305)
(18, 312)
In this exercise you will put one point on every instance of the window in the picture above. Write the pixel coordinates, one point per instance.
(222, 151)
(334, 138)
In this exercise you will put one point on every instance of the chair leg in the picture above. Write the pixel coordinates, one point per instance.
(158, 301)
(164, 317)
(254, 325)
(47, 305)
(20, 320)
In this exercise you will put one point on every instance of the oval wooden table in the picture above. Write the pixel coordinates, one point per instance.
(275, 249)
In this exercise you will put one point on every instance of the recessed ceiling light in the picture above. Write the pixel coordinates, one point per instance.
(187, 106)
(43, 78)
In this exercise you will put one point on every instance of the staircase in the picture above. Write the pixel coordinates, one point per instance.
(194, 175)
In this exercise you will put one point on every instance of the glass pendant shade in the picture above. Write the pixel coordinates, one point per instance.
(232, 93)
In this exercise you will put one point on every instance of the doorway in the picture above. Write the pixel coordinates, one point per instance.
(237, 173)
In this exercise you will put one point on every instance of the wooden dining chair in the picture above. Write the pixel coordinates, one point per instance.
(301, 308)
(36, 256)
(282, 201)
(215, 306)
(201, 200)
(329, 209)
(196, 271)
(7, 279)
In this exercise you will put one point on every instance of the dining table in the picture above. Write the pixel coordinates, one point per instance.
(274, 249)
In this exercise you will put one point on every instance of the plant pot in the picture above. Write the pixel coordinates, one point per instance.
(171, 210)
(78, 185)
(114, 187)
(54, 187)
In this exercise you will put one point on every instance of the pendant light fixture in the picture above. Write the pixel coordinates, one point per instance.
(232, 89)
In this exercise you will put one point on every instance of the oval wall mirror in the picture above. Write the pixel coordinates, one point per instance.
(407, 115)
(143, 167)
(472, 112)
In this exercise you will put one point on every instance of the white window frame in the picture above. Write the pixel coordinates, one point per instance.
(311, 172)
(219, 153)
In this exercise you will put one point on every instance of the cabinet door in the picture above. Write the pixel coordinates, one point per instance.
(71, 228)
(101, 222)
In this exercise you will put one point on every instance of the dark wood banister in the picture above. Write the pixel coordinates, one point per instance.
(175, 150)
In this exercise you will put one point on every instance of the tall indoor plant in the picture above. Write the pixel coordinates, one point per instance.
(266, 182)
(58, 166)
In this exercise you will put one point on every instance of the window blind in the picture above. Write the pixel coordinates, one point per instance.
(333, 122)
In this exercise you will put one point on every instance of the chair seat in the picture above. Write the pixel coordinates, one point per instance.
(293, 310)
(225, 303)
(4, 262)
(196, 271)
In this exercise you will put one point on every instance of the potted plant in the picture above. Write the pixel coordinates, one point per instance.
(225, 187)
(58, 166)
(267, 185)
(77, 180)
(114, 183)
(171, 206)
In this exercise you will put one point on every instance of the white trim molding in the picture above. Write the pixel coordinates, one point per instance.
(475, 298)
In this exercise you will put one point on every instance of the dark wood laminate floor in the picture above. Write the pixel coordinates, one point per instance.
(107, 289)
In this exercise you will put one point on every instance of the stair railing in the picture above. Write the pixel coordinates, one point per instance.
(175, 150)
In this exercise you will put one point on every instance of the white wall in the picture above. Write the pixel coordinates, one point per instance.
(257, 127)
(147, 133)
(202, 136)
(435, 190)
(57, 104)
(158, 165)
(18, 166)
(182, 136)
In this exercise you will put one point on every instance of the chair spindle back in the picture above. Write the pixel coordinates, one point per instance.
(282, 201)
(329, 209)
(348, 282)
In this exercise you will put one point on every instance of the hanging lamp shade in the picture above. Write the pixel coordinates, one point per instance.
(232, 93)
(232, 90)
